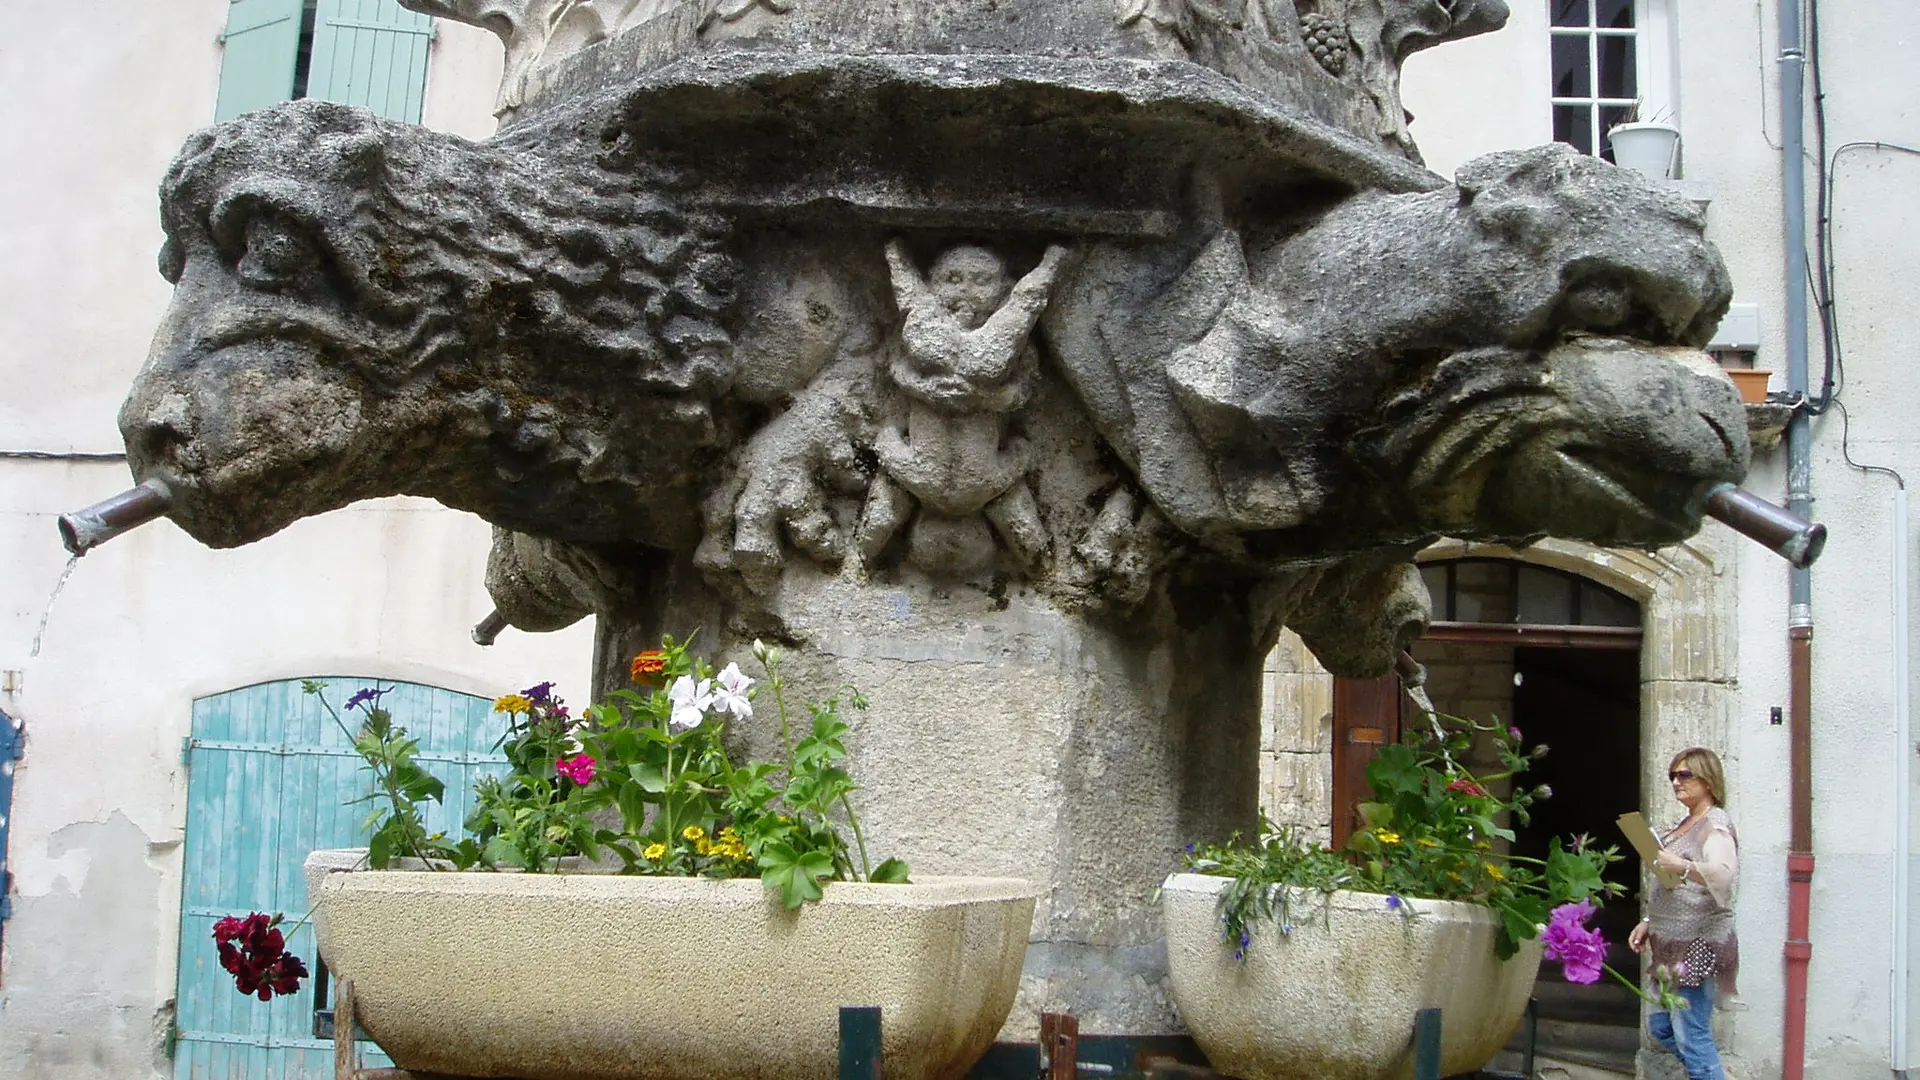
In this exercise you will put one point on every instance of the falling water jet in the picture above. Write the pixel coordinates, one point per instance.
(83, 530)
(72, 561)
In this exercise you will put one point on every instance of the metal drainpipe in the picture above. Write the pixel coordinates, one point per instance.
(1798, 949)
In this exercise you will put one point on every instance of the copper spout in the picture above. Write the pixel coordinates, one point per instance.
(84, 530)
(489, 628)
(1789, 535)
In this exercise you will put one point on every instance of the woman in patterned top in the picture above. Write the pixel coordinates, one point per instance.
(1689, 927)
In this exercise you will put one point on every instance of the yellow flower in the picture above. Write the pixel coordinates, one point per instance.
(693, 832)
(1496, 873)
(1386, 836)
(1427, 841)
(703, 846)
(653, 852)
(512, 703)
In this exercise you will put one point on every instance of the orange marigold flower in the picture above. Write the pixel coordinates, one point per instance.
(647, 666)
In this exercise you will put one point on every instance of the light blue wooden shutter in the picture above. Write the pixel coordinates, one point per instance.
(262, 47)
(270, 778)
(371, 53)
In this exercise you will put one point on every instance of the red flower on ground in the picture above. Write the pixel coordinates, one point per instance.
(253, 951)
(1468, 786)
(647, 666)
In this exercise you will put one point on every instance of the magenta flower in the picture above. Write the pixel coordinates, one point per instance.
(578, 768)
(1581, 950)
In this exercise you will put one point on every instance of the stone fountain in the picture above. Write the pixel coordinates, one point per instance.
(1028, 365)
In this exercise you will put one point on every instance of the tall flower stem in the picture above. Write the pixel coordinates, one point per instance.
(866, 871)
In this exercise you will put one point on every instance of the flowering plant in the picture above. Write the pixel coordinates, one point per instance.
(1430, 831)
(643, 778)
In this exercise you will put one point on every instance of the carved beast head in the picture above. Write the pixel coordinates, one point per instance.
(363, 307)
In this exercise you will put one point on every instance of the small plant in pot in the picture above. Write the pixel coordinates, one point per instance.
(672, 904)
(1650, 147)
(1289, 959)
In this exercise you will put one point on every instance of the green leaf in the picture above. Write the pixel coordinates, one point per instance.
(633, 806)
(795, 875)
(379, 850)
(1395, 769)
(891, 872)
(650, 778)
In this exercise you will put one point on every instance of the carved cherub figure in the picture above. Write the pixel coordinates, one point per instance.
(963, 364)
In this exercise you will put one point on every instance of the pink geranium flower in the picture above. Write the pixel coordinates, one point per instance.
(579, 768)
(1581, 950)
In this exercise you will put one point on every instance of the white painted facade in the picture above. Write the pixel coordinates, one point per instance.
(99, 96)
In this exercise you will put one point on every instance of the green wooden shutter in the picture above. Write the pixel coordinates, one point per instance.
(262, 46)
(270, 779)
(371, 53)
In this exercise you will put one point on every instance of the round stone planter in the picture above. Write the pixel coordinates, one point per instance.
(596, 976)
(1335, 999)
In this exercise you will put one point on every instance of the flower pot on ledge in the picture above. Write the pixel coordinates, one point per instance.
(597, 976)
(1335, 999)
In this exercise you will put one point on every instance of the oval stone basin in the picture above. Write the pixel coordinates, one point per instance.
(1335, 999)
(597, 976)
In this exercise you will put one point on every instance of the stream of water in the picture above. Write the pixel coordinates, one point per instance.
(72, 561)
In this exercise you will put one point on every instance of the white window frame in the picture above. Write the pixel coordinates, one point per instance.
(1653, 33)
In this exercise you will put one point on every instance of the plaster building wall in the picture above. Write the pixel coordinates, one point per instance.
(99, 96)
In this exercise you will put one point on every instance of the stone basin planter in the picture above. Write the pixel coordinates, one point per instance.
(1335, 999)
(595, 976)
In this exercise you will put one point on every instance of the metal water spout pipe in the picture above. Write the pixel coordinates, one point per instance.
(1784, 532)
(84, 530)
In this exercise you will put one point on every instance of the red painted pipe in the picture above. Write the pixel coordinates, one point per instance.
(1799, 946)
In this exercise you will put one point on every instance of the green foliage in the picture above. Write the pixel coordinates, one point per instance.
(1431, 830)
(395, 827)
(655, 764)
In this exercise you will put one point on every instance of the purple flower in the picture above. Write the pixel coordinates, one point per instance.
(1393, 902)
(1581, 950)
(538, 694)
(1513, 733)
(369, 696)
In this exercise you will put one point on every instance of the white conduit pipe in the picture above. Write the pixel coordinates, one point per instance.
(1902, 793)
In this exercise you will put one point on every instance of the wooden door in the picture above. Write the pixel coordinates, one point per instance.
(270, 778)
(1366, 717)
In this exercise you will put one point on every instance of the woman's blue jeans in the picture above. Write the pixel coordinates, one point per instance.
(1691, 1039)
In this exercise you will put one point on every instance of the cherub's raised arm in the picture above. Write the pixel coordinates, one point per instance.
(909, 288)
(1015, 319)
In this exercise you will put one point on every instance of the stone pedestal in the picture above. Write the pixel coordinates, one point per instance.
(1005, 737)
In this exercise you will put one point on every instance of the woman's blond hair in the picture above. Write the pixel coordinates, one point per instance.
(1704, 764)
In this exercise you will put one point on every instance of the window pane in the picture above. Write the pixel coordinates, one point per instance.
(1609, 116)
(1435, 577)
(1546, 597)
(1483, 592)
(1601, 606)
(1572, 76)
(1572, 125)
(1569, 12)
(1614, 13)
(1618, 77)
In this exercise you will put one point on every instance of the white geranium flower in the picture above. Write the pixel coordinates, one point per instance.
(730, 692)
(691, 701)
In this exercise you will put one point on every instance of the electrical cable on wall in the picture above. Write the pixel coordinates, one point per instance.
(60, 455)
(1823, 269)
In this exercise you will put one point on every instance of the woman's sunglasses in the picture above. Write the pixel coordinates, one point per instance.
(1680, 774)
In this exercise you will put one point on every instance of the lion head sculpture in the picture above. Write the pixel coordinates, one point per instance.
(353, 293)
